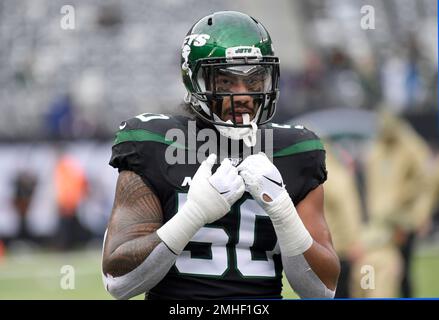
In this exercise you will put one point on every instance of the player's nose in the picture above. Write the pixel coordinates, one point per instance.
(240, 87)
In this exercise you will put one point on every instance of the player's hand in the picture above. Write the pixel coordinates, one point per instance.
(228, 182)
(209, 199)
(262, 179)
(215, 194)
(265, 184)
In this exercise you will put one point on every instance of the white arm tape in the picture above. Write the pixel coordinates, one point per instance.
(181, 228)
(144, 277)
(303, 280)
(293, 237)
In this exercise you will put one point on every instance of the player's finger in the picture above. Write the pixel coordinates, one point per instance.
(246, 163)
(205, 168)
(238, 181)
(225, 167)
(241, 189)
(211, 159)
(246, 176)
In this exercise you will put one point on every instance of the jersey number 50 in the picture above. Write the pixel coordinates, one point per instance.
(217, 263)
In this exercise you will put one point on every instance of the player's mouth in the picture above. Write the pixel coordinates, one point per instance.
(238, 114)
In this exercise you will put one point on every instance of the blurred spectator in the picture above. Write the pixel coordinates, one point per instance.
(2, 251)
(342, 211)
(407, 76)
(394, 182)
(110, 16)
(60, 118)
(24, 187)
(343, 83)
(71, 188)
(368, 72)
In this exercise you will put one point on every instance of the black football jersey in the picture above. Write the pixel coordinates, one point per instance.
(238, 255)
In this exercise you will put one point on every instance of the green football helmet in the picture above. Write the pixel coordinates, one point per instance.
(222, 52)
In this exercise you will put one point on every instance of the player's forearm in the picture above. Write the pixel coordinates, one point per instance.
(311, 268)
(313, 273)
(324, 263)
(129, 255)
(302, 278)
(144, 277)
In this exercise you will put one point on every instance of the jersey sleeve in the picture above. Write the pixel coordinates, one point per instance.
(140, 146)
(300, 157)
(315, 174)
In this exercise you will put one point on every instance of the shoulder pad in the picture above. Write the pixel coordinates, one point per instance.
(149, 127)
(293, 139)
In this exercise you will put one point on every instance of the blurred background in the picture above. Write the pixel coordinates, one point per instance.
(361, 74)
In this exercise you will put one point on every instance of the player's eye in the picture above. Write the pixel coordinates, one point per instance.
(254, 83)
(224, 83)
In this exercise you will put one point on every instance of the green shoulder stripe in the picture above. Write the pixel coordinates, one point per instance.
(143, 135)
(304, 146)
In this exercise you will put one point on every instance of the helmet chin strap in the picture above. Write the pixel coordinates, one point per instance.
(248, 135)
(250, 139)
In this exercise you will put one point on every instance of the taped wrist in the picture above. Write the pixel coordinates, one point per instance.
(293, 237)
(180, 229)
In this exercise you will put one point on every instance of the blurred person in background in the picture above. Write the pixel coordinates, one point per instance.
(24, 187)
(395, 180)
(408, 77)
(71, 188)
(343, 214)
(420, 224)
(343, 84)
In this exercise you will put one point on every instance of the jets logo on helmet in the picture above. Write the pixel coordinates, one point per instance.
(197, 40)
(243, 51)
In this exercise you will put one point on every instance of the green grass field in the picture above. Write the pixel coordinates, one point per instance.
(38, 276)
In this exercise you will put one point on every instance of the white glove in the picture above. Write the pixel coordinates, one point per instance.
(262, 179)
(264, 182)
(209, 199)
(227, 182)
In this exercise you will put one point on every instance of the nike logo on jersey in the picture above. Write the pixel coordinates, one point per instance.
(280, 184)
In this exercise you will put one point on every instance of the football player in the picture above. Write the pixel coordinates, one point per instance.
(220, 230)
